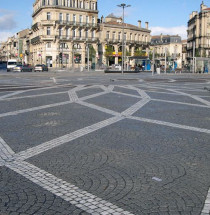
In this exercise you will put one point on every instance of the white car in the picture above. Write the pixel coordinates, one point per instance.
(117, 66)
(12, 63)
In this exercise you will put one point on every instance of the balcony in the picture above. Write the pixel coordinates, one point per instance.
(35, 40)
(205, 46)
(76, 24)
(117, 41)
(78, 39)
(48, 37)
(35, 27)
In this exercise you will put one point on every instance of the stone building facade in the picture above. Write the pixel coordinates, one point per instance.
(16, 47)
(171, 45)
(63, 30)
(135, 38)
(199, 33)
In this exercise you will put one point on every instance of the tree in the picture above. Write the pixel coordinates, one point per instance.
(109, 53)
(139, 52)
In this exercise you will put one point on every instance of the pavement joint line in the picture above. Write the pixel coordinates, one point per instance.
(141, 92)
(197, 98)
(69, 193)
(130, 111)
(169, 124)
(65, 139)
(182, 103)
(10, 94)
(34, 109)
(104, 110)
(34, 96)
(206, 208)
(12, 113)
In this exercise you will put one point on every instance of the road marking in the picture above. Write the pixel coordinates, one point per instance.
(33, 109)
(206, 208)
(95, 107)
(34, 96)
(65, 139)
(70, 193)
(174, 125)
(6, 152)
(182, 103)
(197, 98)
(10, 94)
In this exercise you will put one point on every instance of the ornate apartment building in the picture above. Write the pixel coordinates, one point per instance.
(199, 33)
(135, 38)
(169, 45)
(16, 47)
(63, 31)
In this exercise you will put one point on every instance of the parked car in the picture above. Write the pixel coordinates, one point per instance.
(40, 68)
(117, 66)
(22, 68)
(17, 68)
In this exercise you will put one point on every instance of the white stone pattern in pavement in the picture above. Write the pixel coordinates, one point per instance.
(82, 199)
(70, 193)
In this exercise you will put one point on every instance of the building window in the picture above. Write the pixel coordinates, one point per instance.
(48, 45)
(93, 34)
(80, 33)
(86, 33)
(48, 31)
(80, 18)
(86, 19)
(67, 17)
(48, 15)
(113, 35)
(74, 19)
(56, 2)
(60, 16)
(60, 32)
(74, 32)
(68, 3)
(94, 6)
(93, 20)
(107, 35)
(67, 33)
(125, 36)
(119, 36)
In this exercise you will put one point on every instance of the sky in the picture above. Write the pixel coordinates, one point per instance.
(164, 16)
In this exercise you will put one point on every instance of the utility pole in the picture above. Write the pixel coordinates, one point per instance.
(153, 61)
(165, 59)
(193, 57)
(123, 6)
(88, 54)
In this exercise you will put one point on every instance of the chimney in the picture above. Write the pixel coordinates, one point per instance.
(203, 6)
(147, 25)
(139, 21)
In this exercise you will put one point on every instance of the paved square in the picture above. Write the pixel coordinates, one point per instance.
(104, 144)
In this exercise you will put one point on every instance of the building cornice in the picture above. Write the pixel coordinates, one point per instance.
(64, 8)
(125, 27)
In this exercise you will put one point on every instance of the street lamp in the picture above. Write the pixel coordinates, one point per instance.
(123, 6)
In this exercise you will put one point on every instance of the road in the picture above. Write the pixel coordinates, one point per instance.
(92, 143)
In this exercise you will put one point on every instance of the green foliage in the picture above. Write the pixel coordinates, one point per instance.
(139, 53)
(109, 51)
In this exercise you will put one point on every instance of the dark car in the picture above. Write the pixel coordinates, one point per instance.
(40, 68)
(23, 68)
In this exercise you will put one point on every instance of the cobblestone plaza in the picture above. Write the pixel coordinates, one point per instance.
(104, 144)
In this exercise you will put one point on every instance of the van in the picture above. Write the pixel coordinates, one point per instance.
(12, 63)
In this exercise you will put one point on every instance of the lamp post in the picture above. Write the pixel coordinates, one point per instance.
(123, 6)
